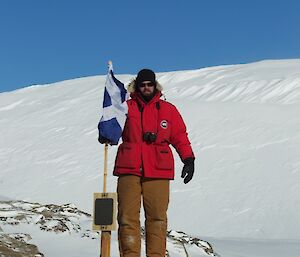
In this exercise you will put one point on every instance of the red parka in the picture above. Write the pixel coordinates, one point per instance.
(151, 160)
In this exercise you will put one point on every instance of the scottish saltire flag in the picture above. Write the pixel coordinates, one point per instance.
(115, 108)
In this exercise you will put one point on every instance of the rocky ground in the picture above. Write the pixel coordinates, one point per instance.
(16, 245)
(68, 219)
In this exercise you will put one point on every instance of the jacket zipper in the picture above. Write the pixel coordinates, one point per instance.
(142, 135)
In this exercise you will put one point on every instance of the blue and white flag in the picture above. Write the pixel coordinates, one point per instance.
(115, 108)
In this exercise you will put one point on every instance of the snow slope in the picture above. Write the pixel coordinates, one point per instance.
(243, 122)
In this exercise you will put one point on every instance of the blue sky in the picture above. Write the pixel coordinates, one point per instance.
(43, 41)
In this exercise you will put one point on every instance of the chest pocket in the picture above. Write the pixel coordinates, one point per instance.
(164, 129)
(163, 121)
(132, 130)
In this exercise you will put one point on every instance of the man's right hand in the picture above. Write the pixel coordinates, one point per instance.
(103, 140)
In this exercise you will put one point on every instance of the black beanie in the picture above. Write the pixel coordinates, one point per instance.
(145, 75)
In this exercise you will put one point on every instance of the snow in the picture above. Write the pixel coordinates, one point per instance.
(258, 248)
(244, 125)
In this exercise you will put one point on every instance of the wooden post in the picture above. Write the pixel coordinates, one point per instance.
(105, 243)
(105, 235)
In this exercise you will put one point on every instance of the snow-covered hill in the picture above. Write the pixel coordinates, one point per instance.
(243, 122)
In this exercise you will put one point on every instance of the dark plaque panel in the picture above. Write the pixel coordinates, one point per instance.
(103, 211)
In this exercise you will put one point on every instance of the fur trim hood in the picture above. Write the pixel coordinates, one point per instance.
(132, 86)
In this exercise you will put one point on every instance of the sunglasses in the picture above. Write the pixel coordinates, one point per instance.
(149, 84)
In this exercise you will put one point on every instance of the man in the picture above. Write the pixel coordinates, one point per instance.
(145, 165)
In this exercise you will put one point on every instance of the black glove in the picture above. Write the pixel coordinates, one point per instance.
(188, 170)
(103, 140)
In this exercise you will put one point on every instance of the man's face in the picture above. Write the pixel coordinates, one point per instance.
(146, 88)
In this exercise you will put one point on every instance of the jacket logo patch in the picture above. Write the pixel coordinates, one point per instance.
(164, 124)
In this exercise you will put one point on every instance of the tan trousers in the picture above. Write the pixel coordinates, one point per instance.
(155, 194)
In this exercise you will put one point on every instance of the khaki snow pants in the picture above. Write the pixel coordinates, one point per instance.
(155, 194)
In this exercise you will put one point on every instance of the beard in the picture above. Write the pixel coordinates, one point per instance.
(148, 96)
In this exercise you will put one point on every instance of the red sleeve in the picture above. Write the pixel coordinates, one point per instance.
(179, 137)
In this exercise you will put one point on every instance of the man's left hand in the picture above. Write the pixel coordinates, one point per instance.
(188, 170)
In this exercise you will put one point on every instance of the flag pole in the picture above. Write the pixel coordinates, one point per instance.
(105, 235)
(105, 167)
(106, 203)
